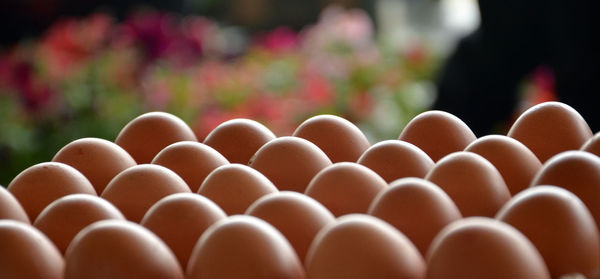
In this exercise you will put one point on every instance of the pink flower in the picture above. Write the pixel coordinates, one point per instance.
(279, 40)
(33, 94)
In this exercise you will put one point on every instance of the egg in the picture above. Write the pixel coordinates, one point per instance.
(290, 162)
(298, 217)
(473, 183)
(561, 228)
(119, 249)
(408, 202)
(592, 145)
(438, 133)
(394, 159)
(479, 247)
(99, 160)
(579, 173)
(146, 135)
(191, 160)
(550, 128)
(234, 187)
(27, 253)
(515, 162)
(180, 219)
(362, 246)
(43, 183)
(10, 208)
(346, 188)
(238, 139)
(341, 140)
(136, 189)
(243, 247)
(65, 217)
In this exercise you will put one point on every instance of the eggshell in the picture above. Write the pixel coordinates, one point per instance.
(346, 188)
(27, 253)
(65, 217)
(341, 140)
(393, 159)
(479, 247)
(191, 160)
(592, 145)
(99, 160)
(119, 249)
(298, 217)
(550, 128)
(579, 173)
(515, 162)
(417, 208)
(290, 162)
(473, 183)
(10, 208)
(136, 189)
(238, 139)
(362, 246)
(180, 219)
(146, 135)
(243, 247)
(561, 228)
(43, 183)
(438, 133)
(234, 187)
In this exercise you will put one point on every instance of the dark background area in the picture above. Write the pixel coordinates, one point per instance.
(29, 18)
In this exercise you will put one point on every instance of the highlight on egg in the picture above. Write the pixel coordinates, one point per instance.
(119, 249)
(572, 246)
(362, 246)
(64, 218)
(243, 246)
(409, 201)
(480, 247)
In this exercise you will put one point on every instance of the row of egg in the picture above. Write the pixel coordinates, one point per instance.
(241, 166)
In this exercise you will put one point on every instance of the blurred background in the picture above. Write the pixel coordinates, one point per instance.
(71, 69)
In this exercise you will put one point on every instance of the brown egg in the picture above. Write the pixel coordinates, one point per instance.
(239, 139)
(473, 183)
(341, 140)
(10, 208)
(180, 219)
(39, 185)
(561, 228)
(438, 133)
(119, 249)
(393, 159)
(191, 160)
(97, 159)
(136, 189)
(592, 145)
(27, 253)
(234, 187)
(149, 133)
(298, 217)
(243, 247)
(290, 162)
(362, 246)
(346, 188)
(64, 218)
(550, 128)
(578, 172)
(515, 162)
(479, 247)
(408, 202)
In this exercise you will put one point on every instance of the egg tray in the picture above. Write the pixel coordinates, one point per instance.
(324, 202)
